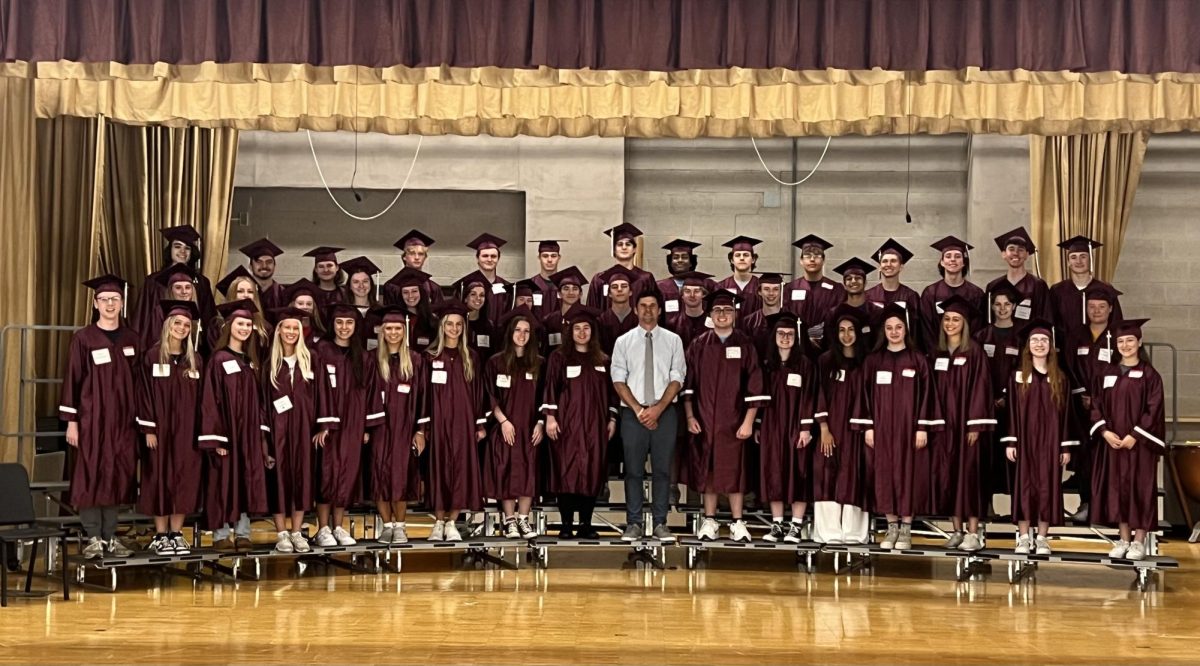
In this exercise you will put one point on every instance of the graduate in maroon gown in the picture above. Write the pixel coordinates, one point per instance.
(681, 259)
(289, 398)
(168, 400)
(182, 246)
(497, 290)
(545, 295)
(523, 292)
(1001, 344)
(785, 427)
(415, 248)
(457, 419)
(854, 272)
(360, 289)
(235, 286)
(327, 275)
(1129, 420)
(812, 296)
(691, 320)
(513, 380)
(903, 413)
(398, 433)
(570, 282)
(756, 325)
(303, 295)
(481, 331)
(345, 400)
(891, 258)
(722, 394)
(618, 318)
(1038, 438)
(233, 426)
(743, 259)
(841, 477)
(176, 283)
(405, 291)
(262, 254)
(624, 250)
(1068, 305)
(962, 389)
(1015, 249)
(580, 406)
(99, 404)
(954, 266)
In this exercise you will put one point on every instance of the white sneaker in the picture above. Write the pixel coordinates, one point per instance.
(385, 534)
(283, 543)
(1043, 546)
(1024, 545)
(1119, 549)
(452, 531)
(889, 538)
(95, 548)
(510, 529)
(1137, 551)
(325, 537)
(438, 533)
(525, 529)
(182, 547)
(343, 537)
(162, 545)
(795, 532)
(709, 530)
(954, 541)
(739, 532)
(971, 543)
(399, 533)
(300, 543)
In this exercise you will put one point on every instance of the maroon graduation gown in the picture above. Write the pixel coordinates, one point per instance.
(784, 468)
(597, 293)
(1000, 346)
(686, 327)
(455, 408)
(343, 406)
(1035, 298)
(930, 310)
(148, 311)
(392, 295)
(580, 396)
(553, 333)
(962, 388)
(326, 298)
(232, 417)
(879, 298)
(813, 302)
(1067, 308)
(1125, 481)
(292, 418)
(612, 328)
(723, 381)
(900, 392)
(1040, 432)
(99, 393)
(670, 291)
(510, 472)
(845, 476)
(499, 300)
(483, 337)
(272, 297)
(395, 472)
(751, 301)
(545, 297)
(168, 404)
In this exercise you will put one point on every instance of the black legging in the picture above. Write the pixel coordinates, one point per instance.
(569, 504)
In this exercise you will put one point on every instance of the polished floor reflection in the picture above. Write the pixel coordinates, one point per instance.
(598, 607)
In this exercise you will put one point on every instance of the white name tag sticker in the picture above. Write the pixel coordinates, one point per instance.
(331, 369)
(883, 377)
(283, 404)
(1020, 377)
(902, 304)
(941, 364)
(529, 376)
(671, 305)
(938, 306)
(826, 285)
(708, 322)
(193, 374)
(101, 356)
(573, 371)
(128, 351)
(161, 370)
(424, 342)
(1023, 311)
(599, 368)
(1083, 351)
(841, 375)
(555, 339)
(990, 350)
(732, 290)
(1012, 351)
(498, 288)
(794, 379)
(484, 341)
(1105, 355)
(1110, 381)
(503, 381)
(332, 381)
(231, 367)
(733, 352)
(961, 360)
(605, 290)
(439, 364)
(438, 377)
(1135, 374)
(403, 388)
(799, 294)
(537, 300)
(908, 372)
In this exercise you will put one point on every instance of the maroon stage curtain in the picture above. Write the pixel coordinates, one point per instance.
(1131, 36)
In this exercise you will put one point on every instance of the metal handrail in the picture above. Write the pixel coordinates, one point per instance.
(1174, 379)
(23, 380)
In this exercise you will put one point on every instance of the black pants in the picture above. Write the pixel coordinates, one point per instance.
(99, 521)
(569, 504)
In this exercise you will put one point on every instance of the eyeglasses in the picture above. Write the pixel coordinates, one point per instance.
(722, 311)
(108, 300)
(813, 255)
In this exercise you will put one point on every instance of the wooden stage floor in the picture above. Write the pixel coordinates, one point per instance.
(597, 607)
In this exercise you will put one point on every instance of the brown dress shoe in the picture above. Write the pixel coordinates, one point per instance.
(244, 543)
(225, 544)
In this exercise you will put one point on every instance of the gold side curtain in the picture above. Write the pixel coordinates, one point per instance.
(546, 102)
(1083, 185)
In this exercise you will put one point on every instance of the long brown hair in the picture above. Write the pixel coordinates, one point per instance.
(1054, 374)
(248, 347)
(594, 355)
(531, 362)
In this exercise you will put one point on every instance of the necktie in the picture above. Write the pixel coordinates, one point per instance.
(648, 376)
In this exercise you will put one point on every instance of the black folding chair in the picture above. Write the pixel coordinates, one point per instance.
(18, 523)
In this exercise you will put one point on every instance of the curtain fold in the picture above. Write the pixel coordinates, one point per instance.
(1084, 185)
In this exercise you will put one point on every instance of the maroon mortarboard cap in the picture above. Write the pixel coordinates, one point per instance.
(262, 247)
(1006, 288)
(952, 243)
(548, 245)
(105, 283)
(1102, 291)
(525, 288)
(618, 274)
(681, 245)
(579, 312)
(1080, 244)
(848, 312)
(770, 278)
(334, 310)
(323, 253)
(1018, 237)
(279, 314)
(1036, 326)
(569, 275)
(721, 297)
(244, 308)
(299, 288)
(413, 237)
(894, 310)
(812, 240)
(451, 306)
(360, 265)
(854, 266)
(171, 308)
(516, 312)
(469, 280)
(486, 242)
(390, 314)
(892, 246)
(743, 243)
(624, 231)
(409, 277)
(1130, 327)
(184, 233)
(783, 319)
(697, 279)
(173, 274)
(958, 304)
(227, 281)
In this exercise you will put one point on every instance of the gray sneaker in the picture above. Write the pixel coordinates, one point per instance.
(118, 549)
(663, 533)
(971, 543)
(94, 549)
(955, 540)
(904, 540)
(385, 534)
(632, 532)
(889, 539)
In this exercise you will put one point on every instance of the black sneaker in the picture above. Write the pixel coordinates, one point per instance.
(776, 534)
(162, 545)
(793, 533)
(182, 547)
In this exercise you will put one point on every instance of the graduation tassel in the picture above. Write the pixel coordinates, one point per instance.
(378, 285)
(125, 300)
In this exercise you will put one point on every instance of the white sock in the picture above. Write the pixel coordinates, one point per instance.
(283, 533)
(523, 516)
(797, 520)
(399, 525)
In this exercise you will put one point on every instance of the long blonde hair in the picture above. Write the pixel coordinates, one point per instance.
(164, 345)
(303, 358)
(440, 345)
(260, 322)
(384, 362)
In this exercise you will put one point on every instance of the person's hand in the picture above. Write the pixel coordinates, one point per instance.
(1087, 402)
(804, 439)
(612, 428)
(366, 438)
(1128, 442)
(922, 439)
(319, 439)
(693, 425)
(538, 433)
(870, 437)
(480, 433)
(268, 461)
(972, 438)
(1111, 439)
(73, 433)
(649, 416)
(1010, 452)
(744, 431)
(552, 428)
(419, 442)
(1000, 403)
(509, 432)
(1064, 459)
(152, 442)
(827, 442)
(222, 452)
